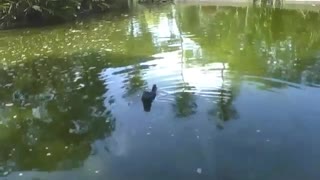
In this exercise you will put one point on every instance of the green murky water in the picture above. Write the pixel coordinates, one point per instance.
(238, 95)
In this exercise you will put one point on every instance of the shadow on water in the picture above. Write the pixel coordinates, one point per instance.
(52, 110)
(237, 96)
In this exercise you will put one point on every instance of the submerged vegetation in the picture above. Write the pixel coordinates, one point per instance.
(30, 12)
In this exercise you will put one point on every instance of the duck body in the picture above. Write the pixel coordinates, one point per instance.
(148, 97)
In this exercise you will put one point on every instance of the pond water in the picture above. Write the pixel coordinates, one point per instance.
(238, 94)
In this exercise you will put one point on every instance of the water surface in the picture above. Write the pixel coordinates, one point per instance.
(238, 89)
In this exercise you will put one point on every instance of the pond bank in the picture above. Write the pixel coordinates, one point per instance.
(36, 14)
(38, 18)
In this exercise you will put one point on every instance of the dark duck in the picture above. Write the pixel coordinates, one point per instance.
(148, 97)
